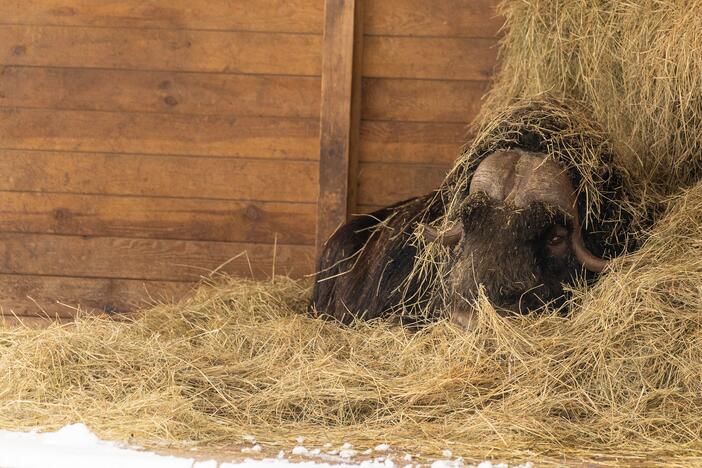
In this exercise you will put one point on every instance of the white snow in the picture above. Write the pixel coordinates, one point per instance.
(206, 464)
(255, 449)
(347, 453)
(300, 450)
(75, 446)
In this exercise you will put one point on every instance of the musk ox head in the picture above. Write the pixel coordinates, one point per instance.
(518, 236)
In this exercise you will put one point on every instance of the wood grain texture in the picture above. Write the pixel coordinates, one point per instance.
(163, 92)
(304, 16)
(422, 100)
(158, 49)
(224, 136)
(340, 114)
(411, 142)
(383, 184)
(146, 259)
(139, 175)
(147, 143)
(429, 58)
(157, 218)
(449, 18)
(59, 296)
(365, 209)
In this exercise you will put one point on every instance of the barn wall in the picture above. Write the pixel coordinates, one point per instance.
(426, 65)
(145, 143)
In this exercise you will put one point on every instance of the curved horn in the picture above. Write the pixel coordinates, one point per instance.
(453, 235)
(584, 256)
(448, 238)
(430, 234)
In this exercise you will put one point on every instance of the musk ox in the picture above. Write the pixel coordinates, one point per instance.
(518, 237)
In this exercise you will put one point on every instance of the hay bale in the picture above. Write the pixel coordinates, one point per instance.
(636, 67)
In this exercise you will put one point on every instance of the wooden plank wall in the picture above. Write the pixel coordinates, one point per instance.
(426, 66)
(145, 143)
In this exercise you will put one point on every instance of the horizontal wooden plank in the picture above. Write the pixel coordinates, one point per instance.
(365, 209)
(422, 100)
(452, 18)
(146, 259)
(157, 49)
(384, 184)
(253, 15)
(157, 218)
(171, 92)
(172, 176)
(57, 296)
(429, 58)
(411, 142)
(225, 136)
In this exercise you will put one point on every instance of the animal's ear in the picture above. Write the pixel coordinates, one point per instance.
(448, 238)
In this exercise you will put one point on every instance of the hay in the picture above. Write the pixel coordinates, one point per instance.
(636, 67)
(602, 85)
(622, 378)
(614, 221)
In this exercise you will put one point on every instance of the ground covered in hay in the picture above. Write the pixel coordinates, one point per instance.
(621, 377)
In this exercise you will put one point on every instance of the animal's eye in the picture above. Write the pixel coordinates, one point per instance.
(557, 235)
(555, 240)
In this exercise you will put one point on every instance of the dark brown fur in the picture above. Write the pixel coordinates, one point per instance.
(365, 268)
(365, 263)
(508, 253)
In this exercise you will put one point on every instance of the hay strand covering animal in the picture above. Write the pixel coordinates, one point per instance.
(596, 85)
(509, 222)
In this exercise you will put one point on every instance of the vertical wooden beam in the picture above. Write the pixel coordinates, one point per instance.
(340, 114)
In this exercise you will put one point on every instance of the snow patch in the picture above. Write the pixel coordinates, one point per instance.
(300, 450)
(206, 464)
(75, 435)
(255, 449)
(347, 453)
(75, 446)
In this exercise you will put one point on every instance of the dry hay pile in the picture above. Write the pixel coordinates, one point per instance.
(636, 66)
(616, 220)
(621, 376)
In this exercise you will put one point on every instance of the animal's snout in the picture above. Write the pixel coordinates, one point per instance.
(517, 296)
